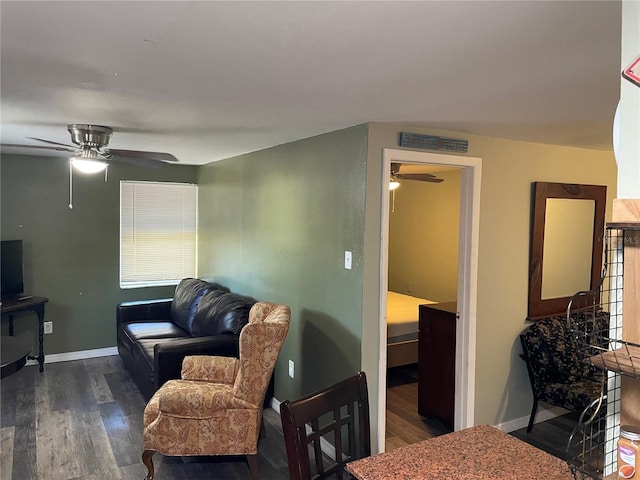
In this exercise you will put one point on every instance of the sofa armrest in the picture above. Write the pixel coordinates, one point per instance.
(143, 311)
(169, 354)
(208, 368)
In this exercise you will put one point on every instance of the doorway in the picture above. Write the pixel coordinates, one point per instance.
(467, 279)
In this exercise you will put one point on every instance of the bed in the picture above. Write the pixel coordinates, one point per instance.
(402, 328)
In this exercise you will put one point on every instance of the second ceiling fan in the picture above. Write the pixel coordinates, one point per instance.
(421, 177)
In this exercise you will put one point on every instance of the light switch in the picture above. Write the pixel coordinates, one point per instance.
(347, 260)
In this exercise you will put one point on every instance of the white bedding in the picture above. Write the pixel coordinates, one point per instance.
(402, 314)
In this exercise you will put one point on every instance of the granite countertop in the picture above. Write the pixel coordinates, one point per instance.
(476, 453)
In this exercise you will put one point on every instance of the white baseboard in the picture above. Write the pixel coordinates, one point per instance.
(542, 415)
(79, 355)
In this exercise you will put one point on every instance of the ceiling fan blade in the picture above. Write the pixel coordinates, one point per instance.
(39, 147)
(158, 156)
(422, 177)
(91, 139)
(140, 158)
(52, 142)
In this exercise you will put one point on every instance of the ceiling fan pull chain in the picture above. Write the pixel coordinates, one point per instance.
(70, 185)
(106, 169)
(393, 201)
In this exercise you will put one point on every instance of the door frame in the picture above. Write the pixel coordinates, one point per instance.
(467, 280)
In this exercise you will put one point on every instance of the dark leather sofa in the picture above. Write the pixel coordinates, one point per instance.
(154, 336)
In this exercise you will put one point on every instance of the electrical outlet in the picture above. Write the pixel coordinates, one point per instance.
(291, 368)
(48, 327)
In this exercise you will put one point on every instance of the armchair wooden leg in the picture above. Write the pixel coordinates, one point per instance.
(263, 429)
(252, 460)
(148, 462)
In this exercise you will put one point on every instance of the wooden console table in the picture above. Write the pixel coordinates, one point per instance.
(33, 304)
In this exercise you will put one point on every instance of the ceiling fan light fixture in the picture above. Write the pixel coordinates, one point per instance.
(88, 166)
(393, 184)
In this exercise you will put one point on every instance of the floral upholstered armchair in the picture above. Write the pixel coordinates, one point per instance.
(216, 407)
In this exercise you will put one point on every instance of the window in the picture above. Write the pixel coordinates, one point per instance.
(158, 233)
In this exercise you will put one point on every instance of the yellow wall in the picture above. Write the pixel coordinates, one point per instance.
(502, 392)
(423, 238)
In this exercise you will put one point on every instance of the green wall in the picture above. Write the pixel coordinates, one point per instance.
(71, 256)
(274, 225)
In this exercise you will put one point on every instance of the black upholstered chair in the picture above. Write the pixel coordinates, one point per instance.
(557, 374)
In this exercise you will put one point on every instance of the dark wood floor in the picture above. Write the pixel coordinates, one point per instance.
(82, 420)
(405, 425)
(552, 435)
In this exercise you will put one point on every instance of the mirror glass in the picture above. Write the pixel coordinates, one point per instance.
(565, 253)
(568, 241)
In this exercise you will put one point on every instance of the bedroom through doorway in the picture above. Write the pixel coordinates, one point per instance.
(429, 255)
(424, 222)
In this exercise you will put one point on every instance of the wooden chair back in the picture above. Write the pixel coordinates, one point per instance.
(336, 418)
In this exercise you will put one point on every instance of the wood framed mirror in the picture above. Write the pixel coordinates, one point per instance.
(565, 254)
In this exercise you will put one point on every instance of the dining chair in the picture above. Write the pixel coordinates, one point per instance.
(328, 429)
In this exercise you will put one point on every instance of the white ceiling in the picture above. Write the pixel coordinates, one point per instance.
(207, 80)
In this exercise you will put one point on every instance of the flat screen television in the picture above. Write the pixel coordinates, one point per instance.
(11, 271)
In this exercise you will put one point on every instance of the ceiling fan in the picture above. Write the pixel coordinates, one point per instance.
(89, 150)
(421, 177)
(90, 154)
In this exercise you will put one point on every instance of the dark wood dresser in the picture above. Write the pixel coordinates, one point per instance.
(436, 361)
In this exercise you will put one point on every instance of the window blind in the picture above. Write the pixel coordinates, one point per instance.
(158, 233)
